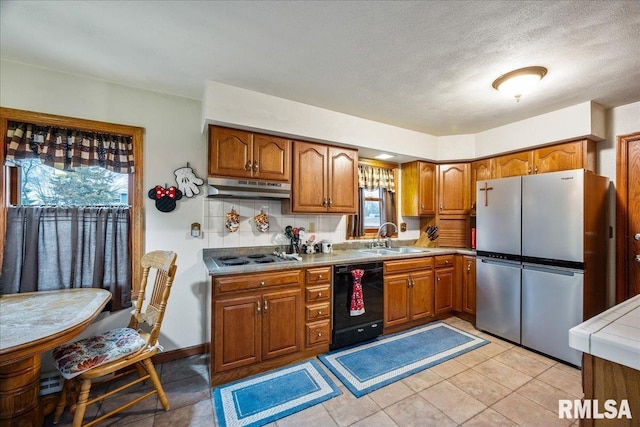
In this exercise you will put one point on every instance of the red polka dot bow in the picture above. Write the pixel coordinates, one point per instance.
(161, 192)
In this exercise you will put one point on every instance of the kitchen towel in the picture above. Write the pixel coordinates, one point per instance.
(357, 297)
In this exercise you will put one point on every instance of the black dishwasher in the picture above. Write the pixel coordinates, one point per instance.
(348, 329)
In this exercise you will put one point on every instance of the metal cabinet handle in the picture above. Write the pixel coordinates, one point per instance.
(440, 207)
(636, 237)
(255, 166)
(446, 261)
(469, 268)
(324, 202)
(330, 202)
(529, 171)
(535, 170)
(247, 167)
(319, 276)
(258, 307)
(265, 306)
(637, 258)
(422, 206)
(319, 334)
(319, 313)
(319, 294)
(262, 283)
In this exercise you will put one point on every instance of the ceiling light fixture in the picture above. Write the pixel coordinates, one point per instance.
(384, 156)
(519, 82)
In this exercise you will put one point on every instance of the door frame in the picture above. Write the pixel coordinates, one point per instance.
(622, 206)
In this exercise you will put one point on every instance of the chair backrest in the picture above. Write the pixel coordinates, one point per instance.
(162, 263)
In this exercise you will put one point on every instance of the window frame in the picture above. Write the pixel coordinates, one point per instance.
(387, 165)
(9, 176)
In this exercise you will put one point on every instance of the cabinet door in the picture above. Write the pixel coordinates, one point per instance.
(343, 181)
(469, 284)
(396, 309)
(427, 188)
(516, 164)
(281, 323)
(444, 290)
(230, 152)
(271, 158)
(237, 332)
(558, 157)
(421, 305)
(453, 189)
(480, 171)
(309, 180)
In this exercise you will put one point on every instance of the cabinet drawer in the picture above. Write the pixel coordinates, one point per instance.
(318, 333)
(444, 261)
(425, 263)
(257, 281)
(317, 312)
(318, 293)
(318, 275)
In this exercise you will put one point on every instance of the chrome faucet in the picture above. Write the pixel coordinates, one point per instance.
(387, 243)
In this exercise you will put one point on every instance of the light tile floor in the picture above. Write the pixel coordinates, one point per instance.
(499, 384)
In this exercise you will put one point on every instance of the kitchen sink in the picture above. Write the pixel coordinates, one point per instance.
(391, 251)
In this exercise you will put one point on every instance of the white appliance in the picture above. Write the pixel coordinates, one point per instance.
(541, 246)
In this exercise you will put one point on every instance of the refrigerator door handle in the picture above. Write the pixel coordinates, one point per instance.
(552, 270)
(514, 264)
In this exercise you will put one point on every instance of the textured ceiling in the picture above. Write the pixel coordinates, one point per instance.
(426, 66)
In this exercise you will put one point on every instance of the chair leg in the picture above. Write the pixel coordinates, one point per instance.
(156, 383)
(82, 402)
(62, 402)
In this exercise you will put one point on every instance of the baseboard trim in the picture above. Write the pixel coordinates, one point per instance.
(168, 356)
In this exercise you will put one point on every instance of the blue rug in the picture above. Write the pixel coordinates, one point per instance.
(368, 367)
(264, 398)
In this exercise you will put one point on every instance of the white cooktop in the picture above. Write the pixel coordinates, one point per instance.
(613, 335)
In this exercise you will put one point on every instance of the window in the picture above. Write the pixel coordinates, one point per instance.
(371, 211)
(33, 184)
(376, 200)
(40, 184)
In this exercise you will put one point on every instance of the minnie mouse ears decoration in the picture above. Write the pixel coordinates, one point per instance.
(165, 197)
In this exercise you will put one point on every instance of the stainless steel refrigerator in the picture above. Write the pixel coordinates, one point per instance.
(541, 246)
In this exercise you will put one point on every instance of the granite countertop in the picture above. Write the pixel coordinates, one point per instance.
(339, 256)
(613, 335)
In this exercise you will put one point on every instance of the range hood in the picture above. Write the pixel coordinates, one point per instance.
(248, 189)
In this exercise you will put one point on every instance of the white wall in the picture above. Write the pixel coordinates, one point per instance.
(172, 138)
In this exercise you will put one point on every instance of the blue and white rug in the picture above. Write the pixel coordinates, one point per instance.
(261, 399)
(368, 367)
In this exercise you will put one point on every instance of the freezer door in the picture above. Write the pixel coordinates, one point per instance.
(553, 215)
(498, 298)
(498, 215)
(551, 305)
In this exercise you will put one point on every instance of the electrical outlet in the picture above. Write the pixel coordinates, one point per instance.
(403, 226)
(312, 227)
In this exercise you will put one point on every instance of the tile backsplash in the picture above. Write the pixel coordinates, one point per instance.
(331, 227)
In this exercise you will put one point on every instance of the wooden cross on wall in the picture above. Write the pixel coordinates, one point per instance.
(486, 193)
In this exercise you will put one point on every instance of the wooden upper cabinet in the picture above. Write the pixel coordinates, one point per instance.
(418, 189)
(572, 155)
(516, 164)
(480, 170)
(325, 179)
(240, 154)
(271, 158)
(453, 189)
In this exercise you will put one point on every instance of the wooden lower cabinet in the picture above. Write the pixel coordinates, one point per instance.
(468, 275)
(408, 295)
(444, 283)
(318, 308)
(250, 329)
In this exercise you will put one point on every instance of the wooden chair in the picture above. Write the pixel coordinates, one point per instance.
(116, 353)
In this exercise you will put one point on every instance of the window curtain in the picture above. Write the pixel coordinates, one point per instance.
(49, 248)
(374, 178)
(67, 149)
